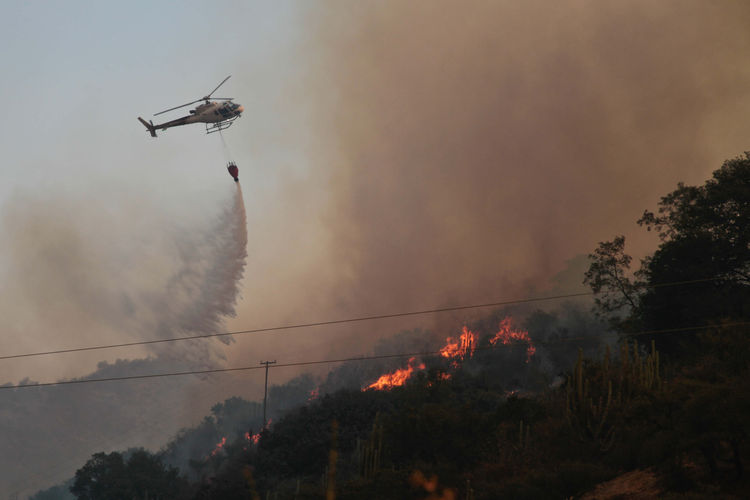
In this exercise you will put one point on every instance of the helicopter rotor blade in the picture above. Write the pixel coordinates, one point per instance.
(206, 98)
(177, 107)
(217, 87)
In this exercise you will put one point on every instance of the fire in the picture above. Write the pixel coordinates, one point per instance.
(219, 446)
(253, 438)
(507, 336)
(431, 486)
(439, 376)
(397, 378)
(460, 348)
(456, 349)
(314, 394)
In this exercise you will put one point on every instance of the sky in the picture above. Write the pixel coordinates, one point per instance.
(393, 156)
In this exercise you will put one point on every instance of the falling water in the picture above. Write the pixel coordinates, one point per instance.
(203, 268)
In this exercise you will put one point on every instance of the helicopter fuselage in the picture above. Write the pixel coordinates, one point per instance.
(214, 112)
(221, 114)
(216, 115)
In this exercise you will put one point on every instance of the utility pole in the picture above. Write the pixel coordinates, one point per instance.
(265, 392)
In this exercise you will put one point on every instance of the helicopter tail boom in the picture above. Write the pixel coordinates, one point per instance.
(149, 126)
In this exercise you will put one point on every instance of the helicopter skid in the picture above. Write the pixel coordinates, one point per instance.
(222, 125)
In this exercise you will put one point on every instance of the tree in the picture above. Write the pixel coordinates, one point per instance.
(142, 476)
(609, 277)
(102, 477)
(705, 233)
(699, 275)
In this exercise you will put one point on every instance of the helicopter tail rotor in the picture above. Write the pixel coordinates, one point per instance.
(149, 125)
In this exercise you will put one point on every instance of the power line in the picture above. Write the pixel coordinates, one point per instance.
(688, 329)
(335, 321)
(299, 325)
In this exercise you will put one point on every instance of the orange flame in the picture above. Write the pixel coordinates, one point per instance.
(430, 485)
(253, 438)
(439, 376)
(314, 394)
(219, 446)
(507, 336)
(397, 378)
(460, 348)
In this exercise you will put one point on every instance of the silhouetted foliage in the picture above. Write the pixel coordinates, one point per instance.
(610, 278)
(59, 492)
(699, 275)
(142, 476)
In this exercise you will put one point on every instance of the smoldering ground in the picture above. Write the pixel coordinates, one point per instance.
(90, 273)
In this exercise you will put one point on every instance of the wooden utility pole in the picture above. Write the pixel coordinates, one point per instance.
(265, 391)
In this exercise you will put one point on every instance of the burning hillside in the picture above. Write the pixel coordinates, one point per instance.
(461, 348)
(507, 336)
(457, 350)
(397, 378)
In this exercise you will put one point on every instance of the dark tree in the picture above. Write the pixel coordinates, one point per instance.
(699, 275)
(104, 476)
(142, 476)
(705, 249)
(609, 276)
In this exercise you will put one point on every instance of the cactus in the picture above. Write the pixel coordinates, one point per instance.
(523, 437)
(469, 491)
(330, 476)
(593, 407)
(586, 414)
(370, 452)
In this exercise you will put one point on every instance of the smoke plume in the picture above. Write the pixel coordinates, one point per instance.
(79, 275)
(462, 152)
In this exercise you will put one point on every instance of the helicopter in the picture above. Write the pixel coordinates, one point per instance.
(216, 115)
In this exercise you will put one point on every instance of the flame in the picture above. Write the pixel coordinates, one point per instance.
(418, 480)
(314, 394)
(397, 378)
(508, 336)
(460, 348)
(253, 438)
(456, 349)
(440, 376)
(219, 446)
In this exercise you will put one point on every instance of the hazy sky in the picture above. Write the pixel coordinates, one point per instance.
(392, 155)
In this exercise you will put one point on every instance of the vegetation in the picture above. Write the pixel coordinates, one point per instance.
(699, 275)
(112, 476)
(671, 398)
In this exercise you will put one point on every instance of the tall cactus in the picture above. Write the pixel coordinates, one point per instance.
(523, 437)
(589, 415)
(370, 451)
(593, 408)
(332, 459)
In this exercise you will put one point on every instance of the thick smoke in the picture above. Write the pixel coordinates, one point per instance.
(476, 147)
(453, 153)
(462, 152)
(87, 279)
